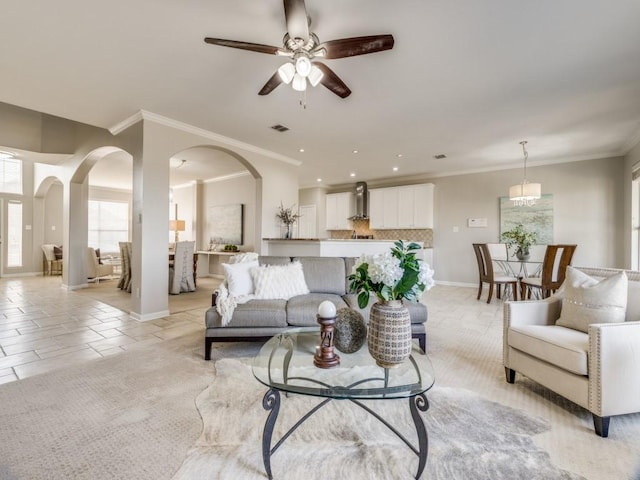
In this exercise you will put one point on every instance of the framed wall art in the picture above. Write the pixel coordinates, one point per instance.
(537, 218)
(225, 224)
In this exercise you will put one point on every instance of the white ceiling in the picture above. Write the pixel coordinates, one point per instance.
(467, 78)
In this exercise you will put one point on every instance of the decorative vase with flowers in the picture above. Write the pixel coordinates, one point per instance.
(520, 238)
(393, 277)
(287, 217)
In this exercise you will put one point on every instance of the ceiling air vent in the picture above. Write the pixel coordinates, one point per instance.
(280, 128)
(440, 156)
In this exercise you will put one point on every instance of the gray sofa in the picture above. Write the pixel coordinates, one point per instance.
(326, 278)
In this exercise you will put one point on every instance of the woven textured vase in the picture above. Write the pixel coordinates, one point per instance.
(389, 335)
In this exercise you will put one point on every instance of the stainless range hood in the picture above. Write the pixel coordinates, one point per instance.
(362, 202)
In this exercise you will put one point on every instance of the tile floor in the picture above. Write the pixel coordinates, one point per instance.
(44, 327)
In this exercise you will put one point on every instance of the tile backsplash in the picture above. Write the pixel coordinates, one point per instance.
(361, 228)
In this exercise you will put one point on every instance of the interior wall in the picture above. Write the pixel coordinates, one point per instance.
(229, 192)
(588, 210)
(631, 217)
(53, 215)
(316, 196)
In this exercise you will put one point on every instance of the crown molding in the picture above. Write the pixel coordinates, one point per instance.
(633, 141)
(223, 178)
(185, 127)
(126, 123)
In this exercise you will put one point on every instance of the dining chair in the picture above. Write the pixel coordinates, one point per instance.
(486, 273)
(554, 268)
(181, 274)
(124, 283)
(51, 264)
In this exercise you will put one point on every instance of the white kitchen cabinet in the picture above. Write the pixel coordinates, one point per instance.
(376, 209)
(405, 207)
(383, 208)
(340, 207)
(423, 206)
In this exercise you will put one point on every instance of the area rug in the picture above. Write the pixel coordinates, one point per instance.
(469, 437)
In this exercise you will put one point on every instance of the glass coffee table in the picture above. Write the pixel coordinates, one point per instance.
(285, 364)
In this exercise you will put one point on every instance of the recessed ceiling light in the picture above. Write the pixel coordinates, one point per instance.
(301, 150)
(395, 169)
(352, 174)
(355, 151)
(399, 155)
(318, 179)
(440, 156)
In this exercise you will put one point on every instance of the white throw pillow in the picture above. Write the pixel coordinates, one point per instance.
(587, 300)
(238, 277)
(279, 281)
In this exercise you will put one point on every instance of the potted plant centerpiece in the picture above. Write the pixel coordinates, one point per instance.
(520, 238)
(392, 277)
(287, 217)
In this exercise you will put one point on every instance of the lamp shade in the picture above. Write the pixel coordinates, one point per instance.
(303, 66)
(315, 76)
(525, 191)
(286, 72)
(299, 83)
(176, 225)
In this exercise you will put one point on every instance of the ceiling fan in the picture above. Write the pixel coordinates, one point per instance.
(303, 47)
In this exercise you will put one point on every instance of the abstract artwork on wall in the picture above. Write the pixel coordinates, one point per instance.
(537, 218)
(225, 224)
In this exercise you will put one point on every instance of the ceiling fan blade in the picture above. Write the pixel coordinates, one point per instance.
(350, 47)
(254, 47)
(271, 84)
(332, 81)
(295, 13)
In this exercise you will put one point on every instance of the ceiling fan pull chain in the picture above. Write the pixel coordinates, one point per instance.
(303, 99)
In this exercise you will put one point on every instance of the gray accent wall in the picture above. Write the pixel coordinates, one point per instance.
(588, 210)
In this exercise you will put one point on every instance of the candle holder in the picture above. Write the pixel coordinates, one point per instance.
(325, 356)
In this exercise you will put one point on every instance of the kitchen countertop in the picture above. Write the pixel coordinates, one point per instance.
(333, 240)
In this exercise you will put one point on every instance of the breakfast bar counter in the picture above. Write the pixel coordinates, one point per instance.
(302, 247)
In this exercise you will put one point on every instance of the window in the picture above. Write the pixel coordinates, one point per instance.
(108, 225)
(14, 234)
(10, 175)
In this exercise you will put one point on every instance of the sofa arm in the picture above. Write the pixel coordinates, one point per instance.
(532, 312)
(614, 368)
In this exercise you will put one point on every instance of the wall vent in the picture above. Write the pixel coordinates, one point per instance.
(280, 128)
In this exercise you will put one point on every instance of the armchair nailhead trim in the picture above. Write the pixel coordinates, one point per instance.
(601, 306)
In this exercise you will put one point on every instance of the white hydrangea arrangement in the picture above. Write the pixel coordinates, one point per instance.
(393, 275)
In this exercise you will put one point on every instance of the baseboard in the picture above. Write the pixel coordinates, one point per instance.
(456, 284)
(149, 316)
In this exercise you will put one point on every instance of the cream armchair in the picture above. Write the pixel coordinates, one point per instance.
(598, 370)
(96, 270)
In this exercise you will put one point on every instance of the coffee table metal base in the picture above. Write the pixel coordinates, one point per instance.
(271, 403)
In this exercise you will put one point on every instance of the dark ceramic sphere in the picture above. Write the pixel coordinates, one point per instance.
(350, 331)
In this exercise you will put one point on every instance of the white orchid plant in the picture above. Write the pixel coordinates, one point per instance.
(394, 275)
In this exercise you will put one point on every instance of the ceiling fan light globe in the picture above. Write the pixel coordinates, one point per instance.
(286, 72)
(303, 66)
(299, 83)
(315, 76)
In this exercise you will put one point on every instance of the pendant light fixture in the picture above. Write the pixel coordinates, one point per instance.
(525, 194)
